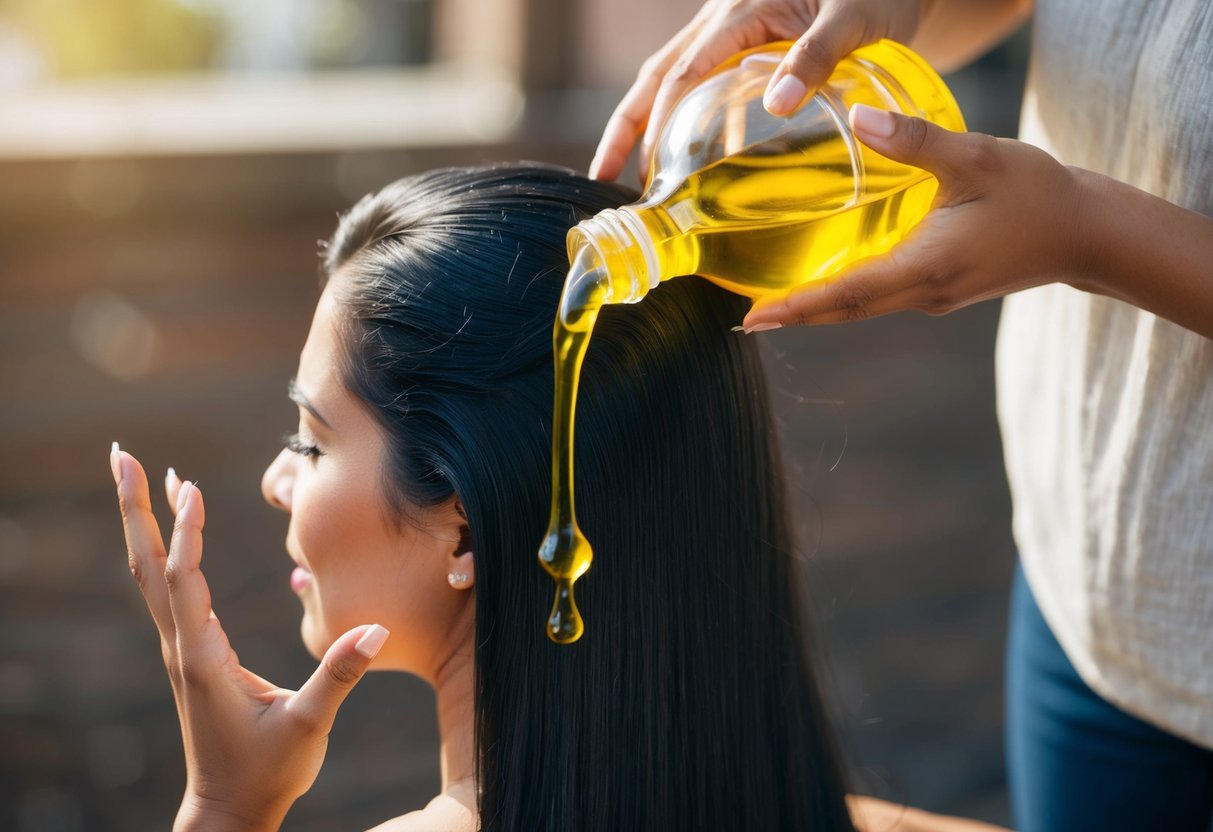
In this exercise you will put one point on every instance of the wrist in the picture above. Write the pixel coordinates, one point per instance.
(202, 814)
(1086, 236)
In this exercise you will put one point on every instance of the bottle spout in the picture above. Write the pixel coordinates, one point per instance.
(613, 259)
(586, 289)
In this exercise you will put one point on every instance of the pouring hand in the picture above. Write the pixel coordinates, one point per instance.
(824, 30)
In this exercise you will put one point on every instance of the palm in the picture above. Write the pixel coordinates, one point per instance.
(251, 747)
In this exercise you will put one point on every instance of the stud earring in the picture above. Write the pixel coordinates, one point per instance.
(457, 579)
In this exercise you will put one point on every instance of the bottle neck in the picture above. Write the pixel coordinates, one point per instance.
(626, 250)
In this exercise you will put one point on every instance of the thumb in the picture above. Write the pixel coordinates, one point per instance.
(812, 58)
(343, 665)
(910, 140)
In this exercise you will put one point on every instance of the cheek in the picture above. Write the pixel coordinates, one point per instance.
(338, 529)
(367, 571)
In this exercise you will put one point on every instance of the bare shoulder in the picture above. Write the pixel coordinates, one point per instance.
(871, 814)
(442, 814)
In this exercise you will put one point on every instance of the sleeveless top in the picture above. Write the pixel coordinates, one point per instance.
(1106, 410)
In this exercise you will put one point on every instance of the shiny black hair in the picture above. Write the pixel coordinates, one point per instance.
(690, 702)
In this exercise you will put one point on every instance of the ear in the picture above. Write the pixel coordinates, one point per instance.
(462, 571)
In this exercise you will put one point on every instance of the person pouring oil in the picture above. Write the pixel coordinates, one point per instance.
(1098, 227)
(750, 201)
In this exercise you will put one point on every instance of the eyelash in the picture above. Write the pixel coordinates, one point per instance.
(296, 445)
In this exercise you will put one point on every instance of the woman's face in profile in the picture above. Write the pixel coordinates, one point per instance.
(356, 562)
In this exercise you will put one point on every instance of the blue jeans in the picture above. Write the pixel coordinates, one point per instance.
(1076, 762)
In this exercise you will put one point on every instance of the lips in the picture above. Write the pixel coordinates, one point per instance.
(301, 579)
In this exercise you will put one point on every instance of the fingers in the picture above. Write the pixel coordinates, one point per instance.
(845, 299)
(188, 594)
(852, 298)
(909, 277)
(622, 129)
(144, 545)
(172, 489)
(952, 157)
(714, 43)
(811, 60)
(632, 115)
(343, 665)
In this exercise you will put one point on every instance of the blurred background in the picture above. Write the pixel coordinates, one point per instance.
(166, 169)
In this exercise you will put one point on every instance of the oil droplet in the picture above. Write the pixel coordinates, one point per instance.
(564, 624)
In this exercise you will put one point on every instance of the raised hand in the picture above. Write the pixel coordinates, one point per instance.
(251, 747)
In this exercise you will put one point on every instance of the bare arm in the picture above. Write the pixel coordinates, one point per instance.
(1148, 252)
(951, 33)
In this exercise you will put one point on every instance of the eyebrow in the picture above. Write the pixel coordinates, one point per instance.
(296, 395)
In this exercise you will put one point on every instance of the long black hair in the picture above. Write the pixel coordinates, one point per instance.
(689, 703)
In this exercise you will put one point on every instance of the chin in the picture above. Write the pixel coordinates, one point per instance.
(315, 637)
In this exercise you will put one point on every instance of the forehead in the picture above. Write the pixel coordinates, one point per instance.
(321, 378)
(318, 361)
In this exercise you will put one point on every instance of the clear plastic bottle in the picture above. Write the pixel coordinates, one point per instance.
(757, 202)
(748, 200)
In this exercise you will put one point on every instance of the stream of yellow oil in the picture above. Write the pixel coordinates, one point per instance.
(753, 224)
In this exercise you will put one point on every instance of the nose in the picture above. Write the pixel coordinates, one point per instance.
(278, 481)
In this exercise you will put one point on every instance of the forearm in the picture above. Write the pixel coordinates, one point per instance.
(954, 32)
(1146, 251)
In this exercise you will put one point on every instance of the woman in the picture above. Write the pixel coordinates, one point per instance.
(418, 487)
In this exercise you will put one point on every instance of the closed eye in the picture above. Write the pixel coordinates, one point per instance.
(296, 445)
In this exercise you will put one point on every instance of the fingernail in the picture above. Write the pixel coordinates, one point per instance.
(763, 60)
(116, 463)
(595, 164)
(785, 95)
(871, 121)
(372, 641)
(170, 476)
(182, 495)
(762, 327)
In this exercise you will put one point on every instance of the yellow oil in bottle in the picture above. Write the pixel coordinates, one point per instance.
(719, 224)
(777, 215)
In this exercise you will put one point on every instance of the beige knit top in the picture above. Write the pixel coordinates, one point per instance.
(1106, 410)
